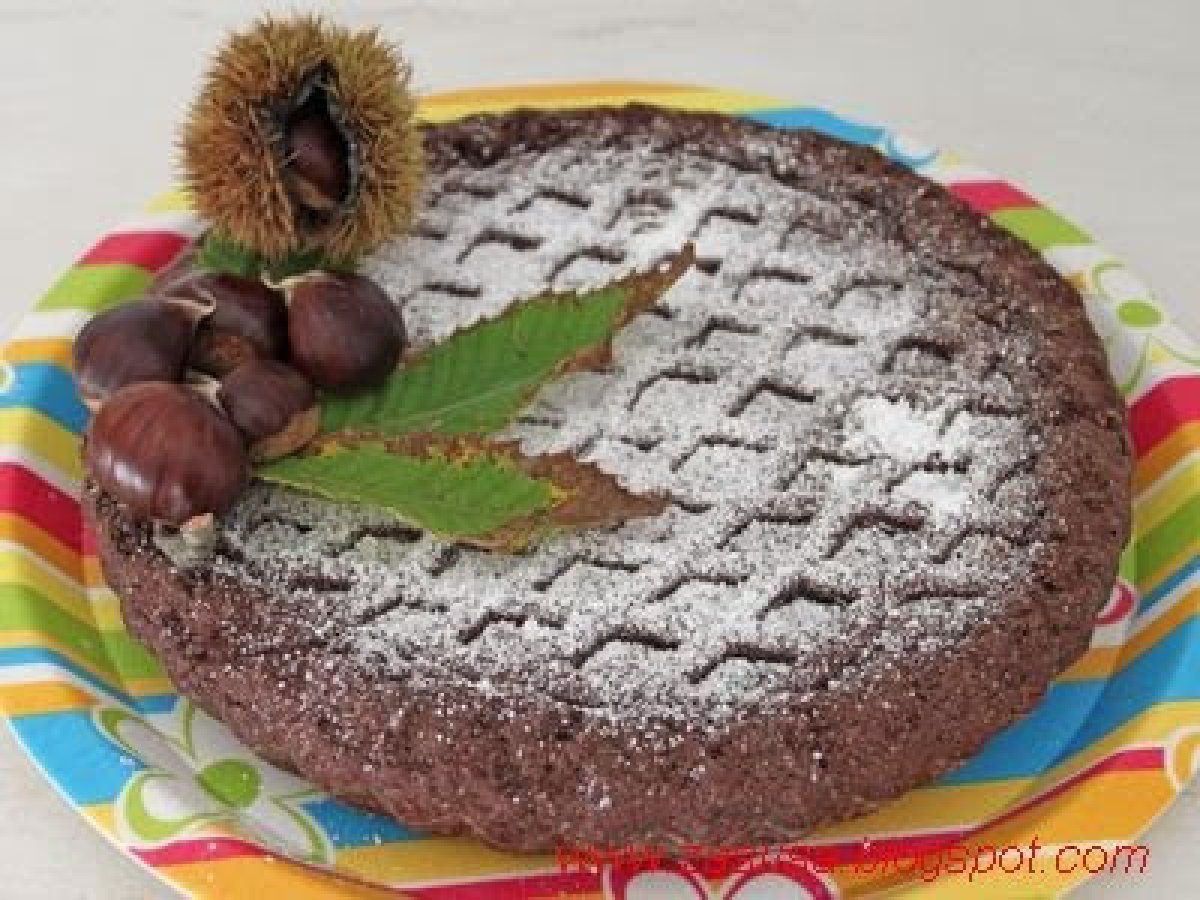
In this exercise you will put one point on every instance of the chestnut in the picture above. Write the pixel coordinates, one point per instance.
(345, 332)
(272, 405)
(317, 168)
(144, 340)
(248, 321)
(166, 453)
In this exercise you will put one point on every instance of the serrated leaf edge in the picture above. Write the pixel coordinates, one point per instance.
(644, 290)
(521, 531)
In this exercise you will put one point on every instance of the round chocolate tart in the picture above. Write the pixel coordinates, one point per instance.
(898, 475)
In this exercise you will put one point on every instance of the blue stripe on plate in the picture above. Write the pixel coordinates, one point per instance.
(85, 765)
(1177, 578)
(154, 703)
(1169, 671)
(820, 120)
(852, 130)
(48, 389)
(1075, 714)
(1036, 742)
(349, 827)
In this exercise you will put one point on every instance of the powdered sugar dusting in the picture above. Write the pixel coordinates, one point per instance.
(839, 458)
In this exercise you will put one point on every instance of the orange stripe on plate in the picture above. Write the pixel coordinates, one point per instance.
(51, 350)
(92, 573)
(18, 529)
(1098, 662)
(1105, 807)
(1101, 662)
(1154, 464)
(42, 697)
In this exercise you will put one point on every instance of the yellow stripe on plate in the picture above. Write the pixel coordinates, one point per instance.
(139, 687)
(35, 432)
(454, 105)
(267, 878)
(437, 858)
(176, 200)
(580, 91)
(933, 808)
(1168, 495)
(106, 609)
(98, 606)
(102, 817)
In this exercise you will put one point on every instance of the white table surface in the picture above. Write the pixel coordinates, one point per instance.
(1091, 106)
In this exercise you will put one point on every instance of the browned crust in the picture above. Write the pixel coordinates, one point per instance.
(459, 763)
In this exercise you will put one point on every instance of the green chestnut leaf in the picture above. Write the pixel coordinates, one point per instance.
(220, 253)
(466, 489)
(479, 378)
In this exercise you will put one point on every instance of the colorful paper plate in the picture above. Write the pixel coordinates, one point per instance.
(1115, 739)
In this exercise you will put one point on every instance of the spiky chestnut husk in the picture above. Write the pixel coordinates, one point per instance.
(272, 405)
(248, 321)
(345, 333)
(237, 144)
(166, 453)
(148, 339)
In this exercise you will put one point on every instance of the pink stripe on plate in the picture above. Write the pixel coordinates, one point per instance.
(989, 196)
(147, 249)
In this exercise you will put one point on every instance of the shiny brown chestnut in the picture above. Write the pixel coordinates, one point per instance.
(145, 340)
(166, 453)
(248, 321)
(272, 405)
(344, 331)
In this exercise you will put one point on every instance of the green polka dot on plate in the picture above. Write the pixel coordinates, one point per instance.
(231, 781)
(1139, 314)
